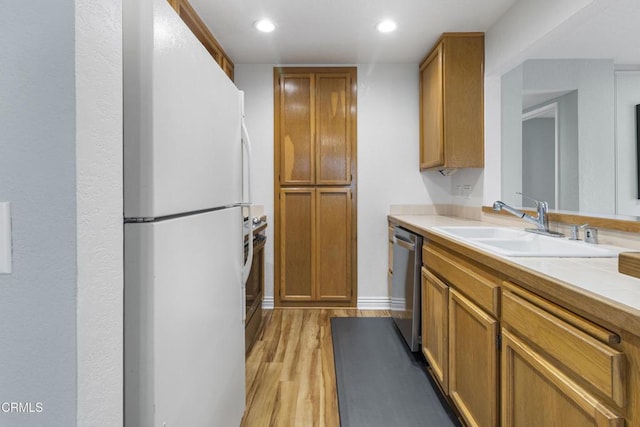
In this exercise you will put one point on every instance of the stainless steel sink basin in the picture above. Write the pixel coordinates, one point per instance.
(519, 243)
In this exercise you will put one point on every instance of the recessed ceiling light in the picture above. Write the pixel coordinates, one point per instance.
(386, 26)
(264, 25)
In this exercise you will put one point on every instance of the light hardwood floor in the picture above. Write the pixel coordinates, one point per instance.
(290, 371)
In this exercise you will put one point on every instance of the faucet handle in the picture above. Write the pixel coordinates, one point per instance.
(574, 231)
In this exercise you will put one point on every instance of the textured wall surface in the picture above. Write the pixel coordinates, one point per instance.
(61, 169)
(37, 175)
(99, 208)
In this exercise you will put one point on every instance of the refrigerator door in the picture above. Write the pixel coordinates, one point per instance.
(182, 146)
(184, 335)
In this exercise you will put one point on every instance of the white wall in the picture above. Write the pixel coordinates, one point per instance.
(388, 166)
(99, 377)
(387, 172)
(515, 35)
(37, 175)
(627, 97)
(60, 156)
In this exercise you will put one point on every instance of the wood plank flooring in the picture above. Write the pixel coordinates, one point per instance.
(290, 371)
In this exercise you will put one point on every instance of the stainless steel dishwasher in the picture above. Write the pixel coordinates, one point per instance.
(406, 285)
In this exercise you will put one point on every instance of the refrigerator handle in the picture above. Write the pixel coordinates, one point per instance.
(246, 143)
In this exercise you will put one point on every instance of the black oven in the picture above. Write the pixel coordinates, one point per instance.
(255, 285)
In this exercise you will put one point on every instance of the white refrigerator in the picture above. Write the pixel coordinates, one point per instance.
(185, 159)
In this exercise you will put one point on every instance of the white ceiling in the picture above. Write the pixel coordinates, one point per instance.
(603, 29)
(341, 31)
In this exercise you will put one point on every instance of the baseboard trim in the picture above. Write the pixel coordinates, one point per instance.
(374, 303)
(268, 303)
(364, 303)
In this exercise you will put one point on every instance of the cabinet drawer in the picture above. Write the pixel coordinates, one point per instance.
(598, 332)
(599, 365)
(476, 283)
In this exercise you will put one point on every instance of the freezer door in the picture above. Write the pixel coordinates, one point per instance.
(182, 146)
(184, 335)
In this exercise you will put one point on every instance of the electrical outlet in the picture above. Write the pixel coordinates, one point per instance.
(466, 191)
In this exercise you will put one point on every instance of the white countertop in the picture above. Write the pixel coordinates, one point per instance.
(598, 277)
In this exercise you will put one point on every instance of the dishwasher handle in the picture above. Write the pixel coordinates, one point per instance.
(404, 243)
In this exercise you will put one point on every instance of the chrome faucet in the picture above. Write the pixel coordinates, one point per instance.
(541, 221)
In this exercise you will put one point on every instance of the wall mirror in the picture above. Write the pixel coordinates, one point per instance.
(568, 117)
(568, 159)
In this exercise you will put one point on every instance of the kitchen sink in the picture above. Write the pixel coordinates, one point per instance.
(484, 232)
(519, 243)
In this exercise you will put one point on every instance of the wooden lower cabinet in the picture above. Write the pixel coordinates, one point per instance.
(536, 393)
(553, 366)
(473, 361)
(435, 326)
(315, 245)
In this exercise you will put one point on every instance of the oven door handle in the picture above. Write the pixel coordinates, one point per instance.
(258, 246)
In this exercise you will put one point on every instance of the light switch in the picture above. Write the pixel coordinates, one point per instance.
(5, 237)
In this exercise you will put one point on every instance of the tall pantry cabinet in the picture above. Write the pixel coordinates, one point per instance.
(315, 186)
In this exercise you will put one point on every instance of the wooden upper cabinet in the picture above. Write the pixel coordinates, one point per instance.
(431, 114)
(452, 103)
(188, 14)
(316, 127)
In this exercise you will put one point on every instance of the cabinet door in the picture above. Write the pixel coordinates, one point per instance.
(535, 393)
(333, 250)
(463, 81)
(333, 128)
(297, 123)
(297, 235)
(435, 326)
(473, 377)
(431, 111)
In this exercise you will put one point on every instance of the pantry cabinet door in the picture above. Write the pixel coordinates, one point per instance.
(296, 106)
(334, 127)
(333, 250)
(297, 237)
